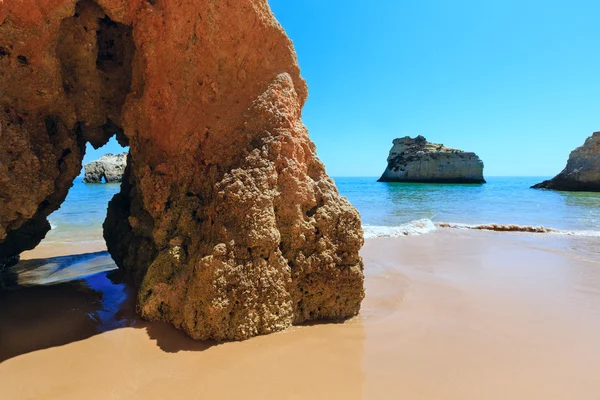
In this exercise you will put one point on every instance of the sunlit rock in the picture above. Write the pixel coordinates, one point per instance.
(226, 220)
(582, 172)
(109, 168)
(417, 160)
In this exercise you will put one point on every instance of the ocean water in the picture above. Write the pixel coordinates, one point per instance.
(418, 208)
(390, 209)
(82, 214)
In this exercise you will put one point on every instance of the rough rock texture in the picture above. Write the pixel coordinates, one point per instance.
(416, 160)
(582, 172)
(108, 168)
(226, 219)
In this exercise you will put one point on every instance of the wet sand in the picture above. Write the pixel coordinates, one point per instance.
(47, 249)
(448, 315)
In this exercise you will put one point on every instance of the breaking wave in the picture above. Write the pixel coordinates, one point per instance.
(418, 227)
(424, 226)
(517, 228)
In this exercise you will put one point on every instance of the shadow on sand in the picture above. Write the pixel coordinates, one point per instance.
(57, 301)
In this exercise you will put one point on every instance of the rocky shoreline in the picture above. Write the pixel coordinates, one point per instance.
(582, 173)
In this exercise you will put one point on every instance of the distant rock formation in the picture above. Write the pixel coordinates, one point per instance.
(582, 172)
(417, 160)
(111, 167)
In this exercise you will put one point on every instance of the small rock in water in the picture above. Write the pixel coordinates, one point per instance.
(416, 160)
(111, 167)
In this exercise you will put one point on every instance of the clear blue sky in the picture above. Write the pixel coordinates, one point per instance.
(517, 81)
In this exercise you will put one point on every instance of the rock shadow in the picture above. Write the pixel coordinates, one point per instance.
(172, 340)
(45, 315)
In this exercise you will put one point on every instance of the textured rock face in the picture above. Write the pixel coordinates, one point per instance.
(582, 172)
(416, 160)
(226, 219)
(108, 168)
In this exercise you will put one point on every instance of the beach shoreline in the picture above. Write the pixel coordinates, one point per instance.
(453, 314)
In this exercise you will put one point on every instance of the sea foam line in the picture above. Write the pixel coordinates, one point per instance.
(412, 228)
(518, 228)
(425, 226)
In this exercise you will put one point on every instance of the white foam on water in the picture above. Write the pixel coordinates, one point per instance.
(424, 226)
(518, 228)
(581, 233)
(412, 228)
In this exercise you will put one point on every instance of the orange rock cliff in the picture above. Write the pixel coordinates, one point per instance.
(226, 220)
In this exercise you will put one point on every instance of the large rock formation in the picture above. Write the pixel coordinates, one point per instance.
(226, 219)
(416, 160)
(582, 172)
(108, 168)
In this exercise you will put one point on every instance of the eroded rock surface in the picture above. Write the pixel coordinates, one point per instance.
(109, 168)
(417, 160)
(582, 172)
(226, 219)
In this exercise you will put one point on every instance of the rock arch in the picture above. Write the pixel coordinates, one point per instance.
(226, 220)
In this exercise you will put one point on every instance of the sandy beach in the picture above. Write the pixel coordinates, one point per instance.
(305, 200)
(449, 315)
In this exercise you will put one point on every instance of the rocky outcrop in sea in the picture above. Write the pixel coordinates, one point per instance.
(417, 160)
(582, 172)
(228, 226)
(108, 168)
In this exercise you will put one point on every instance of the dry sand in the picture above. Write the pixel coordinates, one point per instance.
(448, 315)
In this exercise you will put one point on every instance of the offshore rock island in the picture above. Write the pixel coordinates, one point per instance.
(108, 168)
(227, 222)
(582, 172)
(417, 160)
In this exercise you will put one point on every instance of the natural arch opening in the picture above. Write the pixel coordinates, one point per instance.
(76, 227)
(226, 219)
(95, 55)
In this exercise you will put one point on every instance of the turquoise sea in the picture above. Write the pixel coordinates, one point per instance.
(503, 200)
(390, 209)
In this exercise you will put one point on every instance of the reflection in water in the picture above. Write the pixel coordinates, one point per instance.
(582, 199)
(44, 316)
(418, 201)
(46, 271)
(61, 300)
(585, 206)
